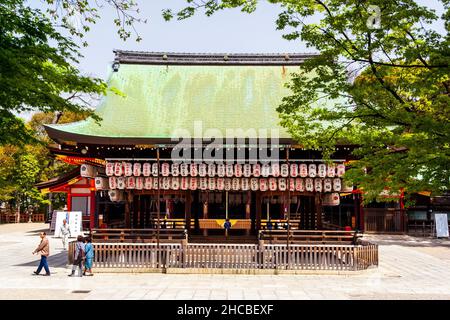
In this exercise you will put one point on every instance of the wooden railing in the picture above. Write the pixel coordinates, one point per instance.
(234, 256)
(422, 228)
(280, 224)
(308, 236)
(331, 226)
(385, 220)
(138, 235)
(24, 217)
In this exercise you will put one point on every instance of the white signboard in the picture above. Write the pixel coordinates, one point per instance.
(441, 221)
(73, 218)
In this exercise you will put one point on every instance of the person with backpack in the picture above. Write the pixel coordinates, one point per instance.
(89, 253)
(78, 257)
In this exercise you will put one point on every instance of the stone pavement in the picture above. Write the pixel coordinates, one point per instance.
(410, 268)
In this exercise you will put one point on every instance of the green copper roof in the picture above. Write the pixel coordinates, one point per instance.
(163, 98)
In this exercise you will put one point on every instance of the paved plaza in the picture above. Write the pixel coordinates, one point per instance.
(410, 268)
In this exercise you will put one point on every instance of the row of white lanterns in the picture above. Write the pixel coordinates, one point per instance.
(193, 183)
(303, 170)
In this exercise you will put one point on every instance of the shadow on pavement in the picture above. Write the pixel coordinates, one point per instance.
(58, 260)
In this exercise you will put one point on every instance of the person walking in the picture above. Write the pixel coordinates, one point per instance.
(89, 249)
(44, 249)
(227, 227)
(65, 233)
(78, 257)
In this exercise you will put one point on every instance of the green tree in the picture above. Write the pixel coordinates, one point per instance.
(36, 72)
(381, 83)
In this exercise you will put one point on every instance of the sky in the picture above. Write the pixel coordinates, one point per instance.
(229, 31)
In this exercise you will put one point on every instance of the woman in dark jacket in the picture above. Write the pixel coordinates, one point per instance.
(78, 257)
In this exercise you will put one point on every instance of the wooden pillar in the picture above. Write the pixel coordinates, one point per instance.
(247, 209)
(92, 210)
(258, 211)
(69, 201)
(187, 209)
(127, 211)
(318, 210)
(205, 216)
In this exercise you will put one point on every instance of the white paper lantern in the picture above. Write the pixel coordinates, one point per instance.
(331, 199)
(146, 169)
(291, 184)
(263, 184)
(284, 170)
(254, 184)
(202, 170)
(112, 183)
(166, 183)
(247, 170)
(312, 170)
(155, 169)
(156, 183)
(193, 183)
(309, 184)
(175, 182)
(340, 170)
(238, 170)
(184, 183)
(337, 184)
(165, 169)
(245, 184)
(220, 184)
(322, 170)
(294, 170)
(272, 184)
(256, 170)
(211, 169)
(148, 183)
(331, 172)
(175, 169)
(184, 169)
(193, 170)
(131, 183)
(299, 185)
(282, 185)
(227, 184)
(139, 183)
(118, 169)
(235, 184)
(229, 170)
(137, 169)
(303, 168)
(128, 169)
(221, 170)
(265, 170)
(203, 183)
(318, 185)
(327, 185)
(275, 169)
(101, 183)
(212, 183)
(109, 169)
(121, 183)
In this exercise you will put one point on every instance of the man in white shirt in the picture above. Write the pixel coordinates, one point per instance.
(65, 233)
